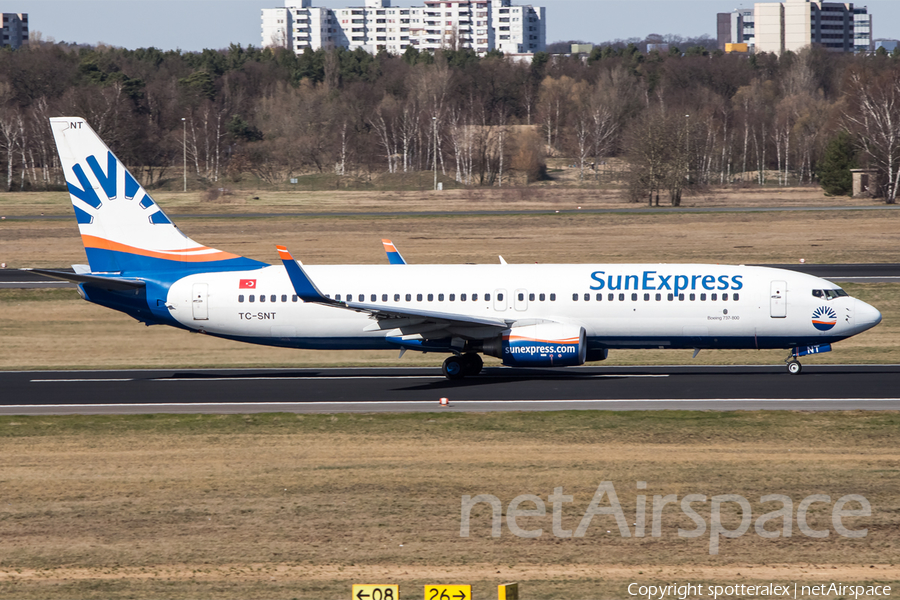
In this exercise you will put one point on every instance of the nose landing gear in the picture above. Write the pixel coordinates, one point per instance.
(793, 365)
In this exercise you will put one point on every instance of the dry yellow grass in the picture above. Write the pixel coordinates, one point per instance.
(281, 506)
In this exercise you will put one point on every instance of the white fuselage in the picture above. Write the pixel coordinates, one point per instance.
(619, 306)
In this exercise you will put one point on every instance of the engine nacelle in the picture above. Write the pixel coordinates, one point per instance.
(541, 345)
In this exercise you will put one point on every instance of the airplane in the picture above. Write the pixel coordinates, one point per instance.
(527, 315)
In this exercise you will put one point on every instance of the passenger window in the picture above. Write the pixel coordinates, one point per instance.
(724, 296)
(409, 298)
(431, 297)
(713, 297)
(817, 293)
(362, 298)
(587, 297)
(262, 298)
(633, 297)
(374, 298)
(500, 297)
(337, 297)
(252, 298)
(284, 297)
(621, 297)
(531, 297)
(646, 297)
(599, 297)
(735, 297)
(670, 297)
(681, 297)
(419, 297)
(440, 297)
(552, 297)
(475, 297)
(462, 297)
(487, 297)
(702, 297)
(575, 297)
(273, 298)
(542, 297)
(521, 297)
(240, 298)
(452, 297)
(611, 297)
(294, 298)
(658, 297)
(384, 297)
(396, 297)
(693, 297)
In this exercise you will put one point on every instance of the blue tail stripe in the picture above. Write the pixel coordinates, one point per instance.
(131, 186)
(82, 217)
(104, 260)
(86, 192)
(107, 180)
(159, 218)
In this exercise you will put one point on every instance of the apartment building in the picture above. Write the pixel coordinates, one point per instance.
(794, 24)
(15, 29)
(481, 25)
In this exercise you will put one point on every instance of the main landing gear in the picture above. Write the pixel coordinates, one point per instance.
(457, 367)
(793, 366)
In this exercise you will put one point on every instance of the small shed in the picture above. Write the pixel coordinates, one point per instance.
(863, 182)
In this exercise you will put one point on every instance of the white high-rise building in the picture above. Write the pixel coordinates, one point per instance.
(795, 24)
(481, 25)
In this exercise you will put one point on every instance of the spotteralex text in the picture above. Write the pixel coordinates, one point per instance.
(653, 280)
(683, 591)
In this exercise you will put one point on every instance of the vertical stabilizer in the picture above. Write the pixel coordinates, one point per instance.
(122, 228)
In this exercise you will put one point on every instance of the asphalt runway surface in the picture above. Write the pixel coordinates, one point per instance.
(853, 273)
(369, 390)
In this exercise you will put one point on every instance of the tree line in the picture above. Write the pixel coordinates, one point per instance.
(679, 119)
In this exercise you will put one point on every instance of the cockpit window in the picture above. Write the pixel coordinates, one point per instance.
(829, 294)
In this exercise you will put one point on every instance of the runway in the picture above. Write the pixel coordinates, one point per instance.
(367, 390)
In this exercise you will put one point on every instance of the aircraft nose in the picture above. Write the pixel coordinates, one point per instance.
(867, 316)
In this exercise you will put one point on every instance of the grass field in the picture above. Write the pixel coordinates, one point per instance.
(290, 506)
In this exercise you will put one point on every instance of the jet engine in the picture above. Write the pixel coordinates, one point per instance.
(539, 345)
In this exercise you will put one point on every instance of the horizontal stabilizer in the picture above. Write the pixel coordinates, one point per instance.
(107, 282)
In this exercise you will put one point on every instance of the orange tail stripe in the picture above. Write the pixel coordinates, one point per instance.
(91, 241)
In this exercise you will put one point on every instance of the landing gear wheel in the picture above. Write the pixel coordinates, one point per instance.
(794, 367)
(453, 368)
(472, 364)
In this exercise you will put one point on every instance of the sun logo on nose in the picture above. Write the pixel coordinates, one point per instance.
(824, 318)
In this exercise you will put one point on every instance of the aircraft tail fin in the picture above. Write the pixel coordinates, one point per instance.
(122, 228)
(393, 254)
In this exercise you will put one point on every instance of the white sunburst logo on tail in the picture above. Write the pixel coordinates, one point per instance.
(824, 318)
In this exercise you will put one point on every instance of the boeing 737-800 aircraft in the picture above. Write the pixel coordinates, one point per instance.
(140, 263)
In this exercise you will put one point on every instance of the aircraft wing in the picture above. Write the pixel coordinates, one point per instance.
(308, 292)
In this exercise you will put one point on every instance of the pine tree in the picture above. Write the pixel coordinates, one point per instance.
(833, 170)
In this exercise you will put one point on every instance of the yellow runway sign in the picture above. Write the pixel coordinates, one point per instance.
(376, 592)
(448, 592)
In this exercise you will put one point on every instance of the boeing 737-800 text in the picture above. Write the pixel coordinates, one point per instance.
(140, 263)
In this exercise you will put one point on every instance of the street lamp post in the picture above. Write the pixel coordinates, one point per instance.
(184, 150)
(434, 133)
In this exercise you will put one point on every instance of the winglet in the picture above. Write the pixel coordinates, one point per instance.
(393, 254)
(305, 289)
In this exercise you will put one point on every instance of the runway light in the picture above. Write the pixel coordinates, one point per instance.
(802, 260)
(445, 402)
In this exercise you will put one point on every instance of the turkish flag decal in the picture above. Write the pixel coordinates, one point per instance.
(248, 284)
